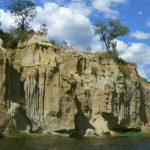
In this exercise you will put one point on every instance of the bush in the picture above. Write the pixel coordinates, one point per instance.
(20, 35)
(115, 56)
(23, 102)
(11, 39)
(8, 40)
(121, 61)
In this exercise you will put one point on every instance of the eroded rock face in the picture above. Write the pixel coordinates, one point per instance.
(73, 92)
(5, 120)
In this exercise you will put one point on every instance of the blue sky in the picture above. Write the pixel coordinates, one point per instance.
(73, 21)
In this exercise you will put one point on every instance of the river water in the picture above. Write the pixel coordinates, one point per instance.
(64, 143)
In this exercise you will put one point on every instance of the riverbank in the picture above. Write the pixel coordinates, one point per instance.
(52, 142)
(21, 134)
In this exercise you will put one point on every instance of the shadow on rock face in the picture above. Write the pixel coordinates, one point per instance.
(112, 121)
(81, 121)
(113, 124)
(21, 120)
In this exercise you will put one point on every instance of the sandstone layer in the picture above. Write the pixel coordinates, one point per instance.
(65, 91)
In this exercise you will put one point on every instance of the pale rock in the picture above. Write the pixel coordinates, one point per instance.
(72, 92)
(13, 108)
(1, 43)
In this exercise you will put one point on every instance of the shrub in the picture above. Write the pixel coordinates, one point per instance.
(11, 39)
(115, 56)
(8, 40)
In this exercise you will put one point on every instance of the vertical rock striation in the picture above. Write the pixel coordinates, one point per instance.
(72, 92)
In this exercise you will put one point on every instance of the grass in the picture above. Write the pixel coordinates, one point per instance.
(22, 134)
(19, 134)
(134, 134)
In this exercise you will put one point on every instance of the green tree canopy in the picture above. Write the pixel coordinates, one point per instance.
(25, 12)
(108, 33)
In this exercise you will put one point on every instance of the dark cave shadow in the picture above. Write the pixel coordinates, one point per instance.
(81, 121)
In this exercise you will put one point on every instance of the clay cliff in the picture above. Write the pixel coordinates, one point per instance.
(51, 88)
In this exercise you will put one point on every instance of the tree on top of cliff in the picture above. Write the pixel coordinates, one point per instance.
(108, 33)
(25, 12)
(43, 28)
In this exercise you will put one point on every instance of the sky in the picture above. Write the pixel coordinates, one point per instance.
(73, 21)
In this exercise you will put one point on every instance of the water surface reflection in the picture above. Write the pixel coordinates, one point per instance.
(63, 143)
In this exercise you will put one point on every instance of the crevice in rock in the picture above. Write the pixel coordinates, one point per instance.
(112, 121)
(81, 121)
(143, 115)
(21, 120)
(14, 86)
(81, 65)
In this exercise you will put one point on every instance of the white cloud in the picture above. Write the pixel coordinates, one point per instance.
(140, 35)
(142, 71)
(6, 19)
(121, 46)
(135, 52)
(106, 7)
(81, 8)
(96, 44)
(65, 24)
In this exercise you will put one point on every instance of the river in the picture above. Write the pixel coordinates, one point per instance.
(64, 143)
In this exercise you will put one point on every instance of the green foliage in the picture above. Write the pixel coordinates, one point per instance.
(24, 10)
(135, 134)
(18, 34)
(102, 31)
(112, 55)
(8, 40)
(108, 33)
(115, 56)
(11, 39)
(18, 134)
(117, 29)
(23, 102)
(121, 61)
